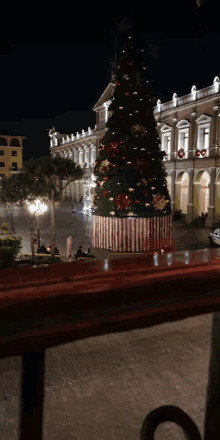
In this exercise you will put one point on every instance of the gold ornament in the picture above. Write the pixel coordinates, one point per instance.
(134, 93)
(131, 189)
(130, 214)
(111, 199)
(112, 212)
(121, 108)
(128, 162)
(159, 202)
(142, 149)
(102, 183)
(147, 204)
(104, 166)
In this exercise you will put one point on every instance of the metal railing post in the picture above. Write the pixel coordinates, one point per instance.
(212, 409)
(32, 396)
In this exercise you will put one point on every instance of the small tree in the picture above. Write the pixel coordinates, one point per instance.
(22, 189)
(53, 170)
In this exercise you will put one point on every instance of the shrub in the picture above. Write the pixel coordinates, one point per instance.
(9, 250)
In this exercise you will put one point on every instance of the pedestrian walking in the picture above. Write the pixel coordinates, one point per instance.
(74, 210)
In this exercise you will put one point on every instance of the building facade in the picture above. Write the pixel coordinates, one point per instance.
(10, 153)
(189, 130)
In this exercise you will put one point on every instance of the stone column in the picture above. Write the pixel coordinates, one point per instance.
(210, 220)
(173, 190)
(214, 143)
(193, 136)
(189, 215)
(173, 140)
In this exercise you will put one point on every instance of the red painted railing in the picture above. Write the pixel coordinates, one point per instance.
(45, 307)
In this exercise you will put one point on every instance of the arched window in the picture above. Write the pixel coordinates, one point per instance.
(14, 143)
(3, 142)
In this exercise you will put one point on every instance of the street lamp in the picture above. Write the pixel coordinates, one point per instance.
(38, 208)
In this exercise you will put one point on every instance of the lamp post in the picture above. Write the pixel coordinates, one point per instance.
(37, 208)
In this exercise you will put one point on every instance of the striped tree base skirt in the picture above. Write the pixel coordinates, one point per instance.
(132, 234)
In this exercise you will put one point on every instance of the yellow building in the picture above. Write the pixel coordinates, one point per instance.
(10, 153)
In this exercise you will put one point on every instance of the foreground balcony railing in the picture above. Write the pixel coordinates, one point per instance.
(49, 306)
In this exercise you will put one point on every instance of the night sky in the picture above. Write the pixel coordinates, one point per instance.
(58, 84)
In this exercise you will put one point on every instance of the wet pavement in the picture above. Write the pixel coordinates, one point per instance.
(77, 226)
(102, 388)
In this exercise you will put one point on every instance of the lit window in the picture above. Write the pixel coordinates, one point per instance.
(93, 155)
(166, 145)
(203, 139)
(14, 166)
(87, 156)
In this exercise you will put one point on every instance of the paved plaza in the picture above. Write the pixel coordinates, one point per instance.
(103, 387)
(77, 226)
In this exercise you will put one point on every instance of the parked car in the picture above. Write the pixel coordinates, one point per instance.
(214, 237)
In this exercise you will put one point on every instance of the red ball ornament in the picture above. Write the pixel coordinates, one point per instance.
(121, 142)
(180, 153)
(120, 116)
(197, 153)
(123, 200)
(150, 179)
(115, 165)
(127, 93)
(124, 158)
(148, 152)
(98, 197)
(106, 178)
(137, 202)
(203, 152)
(105, 193)
(97, 183)
(96, 162)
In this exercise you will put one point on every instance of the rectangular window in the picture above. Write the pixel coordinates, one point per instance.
(81, 157)
(203, 140)
(2, 152)
(14, 153)
(2, 164)
(93, 155)
(102, 115)
(87, 156)
(166, 146)
(75, 157)
(14, 166)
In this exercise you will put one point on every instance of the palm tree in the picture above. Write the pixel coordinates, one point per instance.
(53, 171)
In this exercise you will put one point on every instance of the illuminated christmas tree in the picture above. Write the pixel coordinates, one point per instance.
(131, 201)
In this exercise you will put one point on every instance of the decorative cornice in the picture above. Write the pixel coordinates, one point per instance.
(193, 113)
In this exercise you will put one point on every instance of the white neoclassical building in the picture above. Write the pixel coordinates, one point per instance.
(189, 130)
